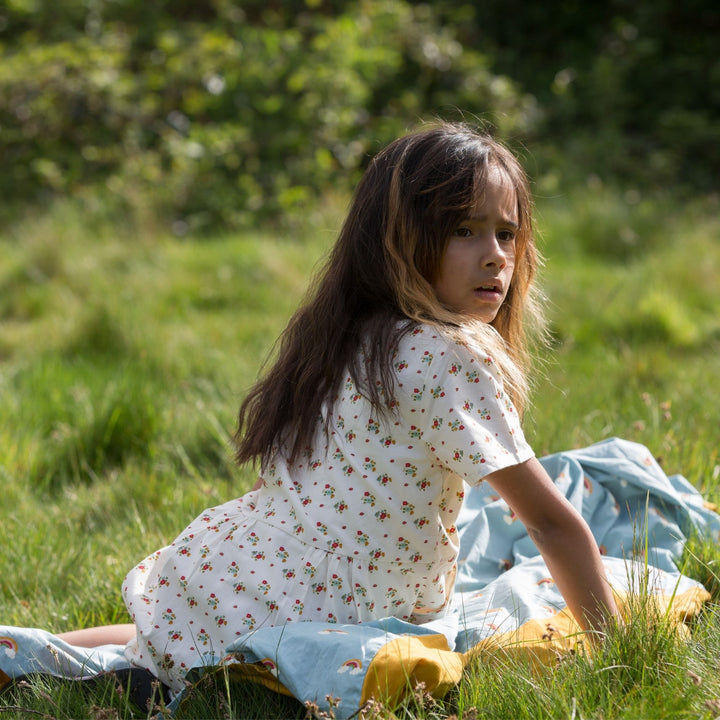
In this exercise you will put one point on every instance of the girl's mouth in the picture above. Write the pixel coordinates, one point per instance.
(484, 289)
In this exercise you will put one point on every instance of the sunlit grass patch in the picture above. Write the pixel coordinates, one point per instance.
(81, 419)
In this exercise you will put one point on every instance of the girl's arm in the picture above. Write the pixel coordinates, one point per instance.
(563, 538)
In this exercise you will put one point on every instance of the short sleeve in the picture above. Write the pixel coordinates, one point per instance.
(455, 398)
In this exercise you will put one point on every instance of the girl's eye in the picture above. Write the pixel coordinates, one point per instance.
(506, 235)
(463, 232)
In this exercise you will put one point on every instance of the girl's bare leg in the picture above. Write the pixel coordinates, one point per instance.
(104, 635)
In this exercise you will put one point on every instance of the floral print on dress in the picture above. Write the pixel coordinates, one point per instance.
(361, 527)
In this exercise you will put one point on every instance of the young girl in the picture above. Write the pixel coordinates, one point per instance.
(401, 378)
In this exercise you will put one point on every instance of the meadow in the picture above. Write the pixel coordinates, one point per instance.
(124, 353)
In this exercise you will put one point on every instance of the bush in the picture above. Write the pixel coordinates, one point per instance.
(224, 121)
(628, 89)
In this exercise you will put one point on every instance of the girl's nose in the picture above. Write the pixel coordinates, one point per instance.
(494, 255)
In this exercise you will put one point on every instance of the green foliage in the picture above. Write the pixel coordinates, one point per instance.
(628, 90)
(221, 120)
(222, 114)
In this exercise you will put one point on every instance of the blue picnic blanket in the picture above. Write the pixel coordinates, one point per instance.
(505, 597)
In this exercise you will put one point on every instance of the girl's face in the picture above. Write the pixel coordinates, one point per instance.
(478, 263)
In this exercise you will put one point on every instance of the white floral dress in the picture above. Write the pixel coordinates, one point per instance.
(361, 527)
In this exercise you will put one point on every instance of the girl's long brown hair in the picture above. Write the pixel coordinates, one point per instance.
(411, 198)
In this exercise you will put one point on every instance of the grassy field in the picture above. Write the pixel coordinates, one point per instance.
(124, 354)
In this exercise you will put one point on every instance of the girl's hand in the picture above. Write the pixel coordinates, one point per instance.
(563, 538)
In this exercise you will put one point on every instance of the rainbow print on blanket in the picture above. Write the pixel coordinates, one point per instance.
(505, 598)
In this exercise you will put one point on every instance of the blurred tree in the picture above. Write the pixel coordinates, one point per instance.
(217, 120)
(628, 88)
(223, 112)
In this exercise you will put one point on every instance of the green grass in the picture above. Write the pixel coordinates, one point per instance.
(638, 673)
(123, 358)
